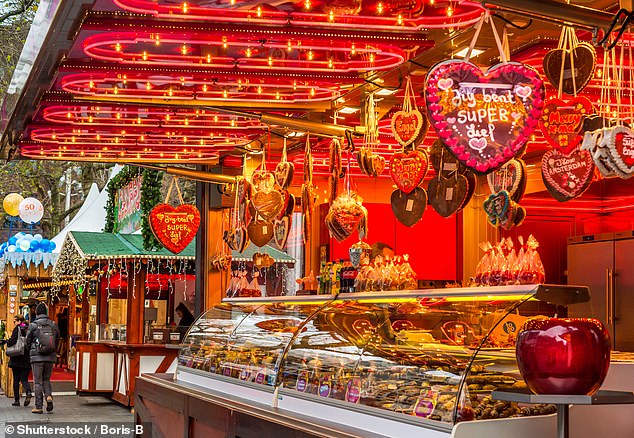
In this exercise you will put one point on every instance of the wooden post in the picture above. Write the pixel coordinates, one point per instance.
(136, 307)
(72, 309)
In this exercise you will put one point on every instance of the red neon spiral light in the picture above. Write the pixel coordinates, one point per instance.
(248, 52)
(380, 15)
(195, 87)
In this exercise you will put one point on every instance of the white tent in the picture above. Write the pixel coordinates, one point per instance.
(92, 214)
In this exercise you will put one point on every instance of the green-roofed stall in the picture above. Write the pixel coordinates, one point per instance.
(122, 307)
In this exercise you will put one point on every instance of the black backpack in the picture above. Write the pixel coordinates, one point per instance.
(45, 338)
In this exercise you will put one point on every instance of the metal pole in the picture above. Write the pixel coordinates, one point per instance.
(563, 417)
(560, 12)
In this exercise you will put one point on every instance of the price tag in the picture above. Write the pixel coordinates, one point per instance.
(353, 391)
(449, 166)
(302, 382)
(449, 194)
(410, 205)
(325, 387)
(426, 404)
(264, 229)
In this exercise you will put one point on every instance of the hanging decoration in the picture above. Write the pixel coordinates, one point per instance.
(281, 230)
(370, 163)
(335, 169)
(502, 211)
(347, 213)
(484, 119)
(408, 169)
(511, 177)
(221, 260)
(571, 65)
(567, 176)
(444, 163)
(562, 120)
(284, 170)
(612, 145)
(409, 125)
(266, 199)
(174, 227)
(448, 195)
(236, 236)
(408, 208)
(308, 192)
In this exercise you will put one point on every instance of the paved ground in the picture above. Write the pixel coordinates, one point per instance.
(89, 409)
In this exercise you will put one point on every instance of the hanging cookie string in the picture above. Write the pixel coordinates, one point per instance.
(486, 18)
(173, 184)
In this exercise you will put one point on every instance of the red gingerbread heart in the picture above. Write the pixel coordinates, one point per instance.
(407, 126)
(562, 120)
(622, 152)
(484, 119)
(567, 177)
(408, 169)
(174, 227)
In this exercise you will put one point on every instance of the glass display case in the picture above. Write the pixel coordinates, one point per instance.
(427, 355)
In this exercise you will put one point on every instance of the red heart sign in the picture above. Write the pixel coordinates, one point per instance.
(562, 120)
(484, 119)
(407, 126)
(174, 227)
(567, 177)
(408, 170)
(624, 147)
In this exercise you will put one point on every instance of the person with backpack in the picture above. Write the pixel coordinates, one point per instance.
(20, 364)
(41, 342)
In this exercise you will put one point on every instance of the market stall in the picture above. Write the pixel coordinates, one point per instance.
(25, 279)
(127, 299)
(382, 146)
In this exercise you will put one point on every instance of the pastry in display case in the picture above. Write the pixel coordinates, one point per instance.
(429, 358)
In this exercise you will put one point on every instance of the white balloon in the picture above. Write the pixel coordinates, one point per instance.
(11, 248)
(24, 245)
(38, 237)
(31, 210)
(28, 237)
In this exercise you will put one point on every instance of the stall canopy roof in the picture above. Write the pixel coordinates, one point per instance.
(91, 245)
(249, 252)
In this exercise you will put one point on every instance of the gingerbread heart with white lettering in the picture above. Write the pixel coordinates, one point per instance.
(510, 177)
(447, 195)
(567, 176)
(484, 119)
(408, 126)
(562, 120)
(174, 227)
(408, 208)
(622, 151)
(408, 169)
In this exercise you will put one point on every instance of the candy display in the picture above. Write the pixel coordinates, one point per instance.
(502, 265)
(434, 358)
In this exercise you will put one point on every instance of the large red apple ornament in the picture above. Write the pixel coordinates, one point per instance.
(563, 355)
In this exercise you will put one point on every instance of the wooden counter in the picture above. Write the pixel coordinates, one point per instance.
(112, 367)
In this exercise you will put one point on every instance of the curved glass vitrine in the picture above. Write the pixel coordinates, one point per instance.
(432, 354)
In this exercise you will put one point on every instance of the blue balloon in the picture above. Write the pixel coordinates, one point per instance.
(44, 243)
(34, 244)
(12, 241)
(52, 245)
(18, 249)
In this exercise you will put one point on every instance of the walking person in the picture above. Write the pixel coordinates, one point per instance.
(41, 341)
(20, 365)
